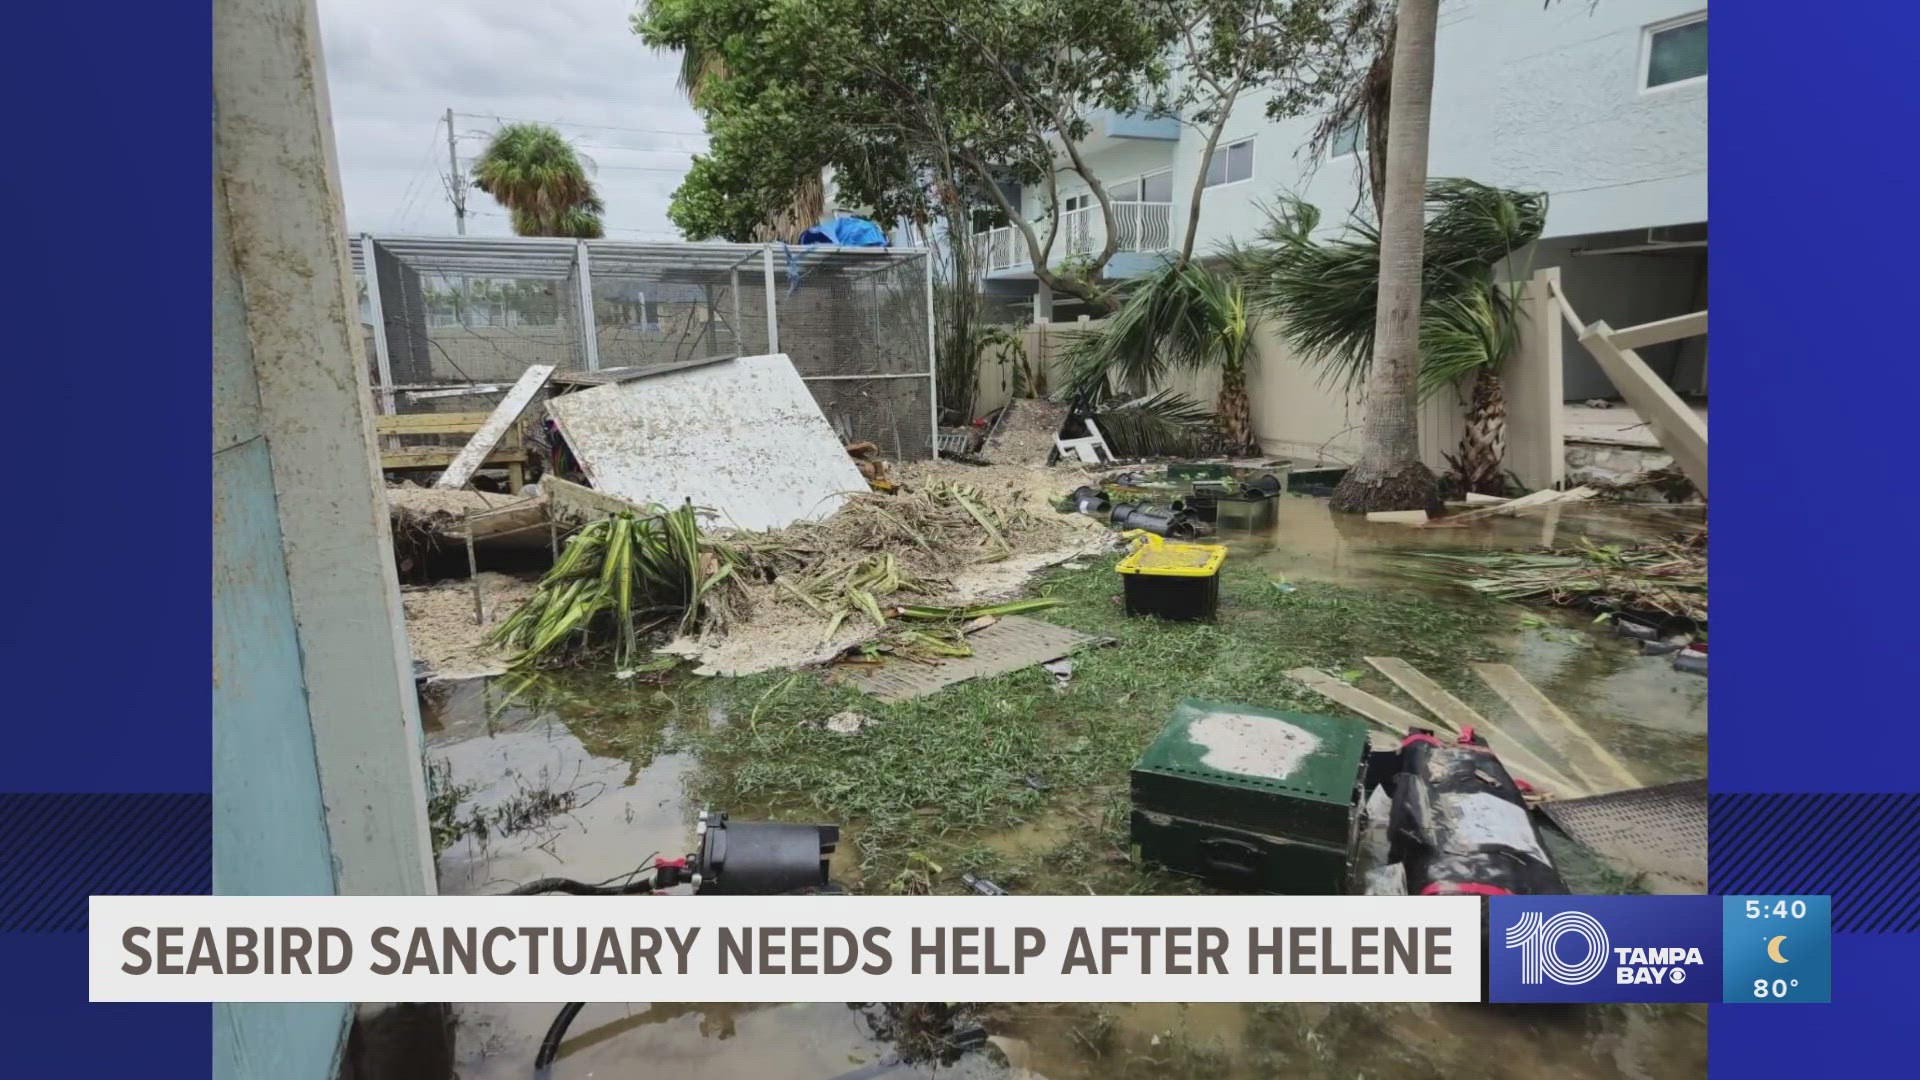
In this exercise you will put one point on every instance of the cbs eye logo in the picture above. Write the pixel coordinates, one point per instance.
(1538, 938)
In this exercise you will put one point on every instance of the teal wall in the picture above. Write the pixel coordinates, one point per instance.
(269, 825)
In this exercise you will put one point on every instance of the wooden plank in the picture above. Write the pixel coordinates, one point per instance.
(1386, 714)
(1533, 707)
(1566, 309)
(572, 500)
(1543, 497)
(1398, 517)
(1661, 331)
(1432, 697)
(1680, 430)
(430, 423)
(504, 416)
(1439, 701)
(441, 457)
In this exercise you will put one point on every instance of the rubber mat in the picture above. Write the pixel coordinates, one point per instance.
(1659, 831)
(1008, 645)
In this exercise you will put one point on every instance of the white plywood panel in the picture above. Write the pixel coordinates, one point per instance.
(742, 437)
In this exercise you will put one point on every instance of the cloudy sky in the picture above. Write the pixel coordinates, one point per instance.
(395, 66)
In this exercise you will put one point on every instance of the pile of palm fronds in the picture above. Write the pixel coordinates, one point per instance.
(932, 644)
(617, 578)
(877, 546)
(1664, 580)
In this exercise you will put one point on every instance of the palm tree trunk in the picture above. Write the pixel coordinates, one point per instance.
(1483, 445)
(1236, 411)
(1389, 474)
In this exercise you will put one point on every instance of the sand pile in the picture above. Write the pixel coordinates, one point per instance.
(441, 626)
(1026, 436)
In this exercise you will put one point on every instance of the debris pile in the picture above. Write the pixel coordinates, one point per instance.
(953, 535)
(1666, 580)
(1025, 435)
(436, 510)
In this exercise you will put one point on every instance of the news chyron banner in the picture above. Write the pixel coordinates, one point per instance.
(812, 948)
(1758, 949)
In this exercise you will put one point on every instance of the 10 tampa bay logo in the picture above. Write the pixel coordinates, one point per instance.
(1604, 948)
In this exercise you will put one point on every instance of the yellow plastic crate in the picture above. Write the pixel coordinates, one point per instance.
(1172, 581)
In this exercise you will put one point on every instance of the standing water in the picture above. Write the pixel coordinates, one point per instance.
(591, 799)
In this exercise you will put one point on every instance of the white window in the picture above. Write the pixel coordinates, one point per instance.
(1674, 52)
(1153, 188)
(1231, 164)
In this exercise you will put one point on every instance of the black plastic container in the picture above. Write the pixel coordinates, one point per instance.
(1173, 581)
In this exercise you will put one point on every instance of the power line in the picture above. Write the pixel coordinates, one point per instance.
(682, 150)
(414, 189)
(575, 123)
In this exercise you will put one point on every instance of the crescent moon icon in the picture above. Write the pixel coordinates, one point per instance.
(1773, 949)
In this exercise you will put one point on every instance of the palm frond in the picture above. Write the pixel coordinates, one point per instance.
(1464, 330)
(1322, 293)
(1178, 317)
(1162, 424)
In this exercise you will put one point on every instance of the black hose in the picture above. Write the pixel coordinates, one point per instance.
(550, 1043)
(580, 888)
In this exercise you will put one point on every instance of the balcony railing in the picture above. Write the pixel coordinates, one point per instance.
(1140, 226)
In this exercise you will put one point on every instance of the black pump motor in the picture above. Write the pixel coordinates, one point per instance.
(760, 858)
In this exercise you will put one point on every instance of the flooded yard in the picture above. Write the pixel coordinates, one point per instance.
(1024, 783)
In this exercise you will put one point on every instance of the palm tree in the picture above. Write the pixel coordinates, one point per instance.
(1324, 295)
(1389, 474)
(537, 175)
(1182, 316)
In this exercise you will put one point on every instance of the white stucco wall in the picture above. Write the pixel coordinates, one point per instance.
(1524, 96)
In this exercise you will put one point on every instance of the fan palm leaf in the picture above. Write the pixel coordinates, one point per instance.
(542, 181)
(1180, 317)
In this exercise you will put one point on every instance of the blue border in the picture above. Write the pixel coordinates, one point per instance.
(108, 195)
(1812, 258)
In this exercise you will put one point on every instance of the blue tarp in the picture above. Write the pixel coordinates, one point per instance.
(847, 232)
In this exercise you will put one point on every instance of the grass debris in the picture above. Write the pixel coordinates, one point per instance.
(1662, 580)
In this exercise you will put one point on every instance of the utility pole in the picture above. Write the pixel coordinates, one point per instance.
(456, 189)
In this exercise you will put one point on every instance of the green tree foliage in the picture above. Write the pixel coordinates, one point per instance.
(917, 108)
(539, 178)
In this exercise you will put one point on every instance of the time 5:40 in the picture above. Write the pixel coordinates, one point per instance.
(1780, 909)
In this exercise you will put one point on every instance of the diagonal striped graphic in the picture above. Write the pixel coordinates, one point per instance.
(58, 849)
(1859, 849)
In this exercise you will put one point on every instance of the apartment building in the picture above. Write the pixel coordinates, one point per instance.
(1603, 106)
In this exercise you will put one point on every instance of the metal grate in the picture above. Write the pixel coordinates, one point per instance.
(1660, 831)
(855, 323)
(443, 313)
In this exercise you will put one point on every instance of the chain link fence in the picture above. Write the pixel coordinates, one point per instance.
(446, 318)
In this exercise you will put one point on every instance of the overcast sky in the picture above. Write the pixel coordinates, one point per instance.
(395, 66)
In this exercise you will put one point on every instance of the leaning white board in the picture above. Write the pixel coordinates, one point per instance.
(743, 437)
(474, 454)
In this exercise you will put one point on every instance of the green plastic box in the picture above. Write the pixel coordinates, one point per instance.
(1252, 799)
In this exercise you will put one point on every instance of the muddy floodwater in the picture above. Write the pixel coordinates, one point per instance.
(630, 801)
